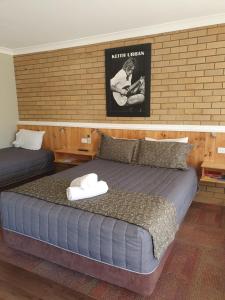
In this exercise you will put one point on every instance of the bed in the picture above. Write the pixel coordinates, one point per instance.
(18, 164)
(106, 248)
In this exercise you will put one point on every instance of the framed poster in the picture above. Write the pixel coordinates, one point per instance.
(127, 71)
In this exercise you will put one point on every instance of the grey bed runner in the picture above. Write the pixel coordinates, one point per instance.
(153, 213)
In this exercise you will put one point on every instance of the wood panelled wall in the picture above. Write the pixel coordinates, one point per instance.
(187, 85)
(205, 144)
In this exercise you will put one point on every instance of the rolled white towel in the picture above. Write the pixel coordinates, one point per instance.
(85, 182)
(76, 193)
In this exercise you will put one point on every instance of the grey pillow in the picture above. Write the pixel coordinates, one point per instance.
(121, 150)
(163, 154)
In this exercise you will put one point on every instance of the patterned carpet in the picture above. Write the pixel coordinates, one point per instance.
(195, 270)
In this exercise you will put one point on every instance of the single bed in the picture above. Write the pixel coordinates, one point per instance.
(106, 248)
(18, 164)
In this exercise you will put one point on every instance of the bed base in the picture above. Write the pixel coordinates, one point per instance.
(49, 170)
(139, 283)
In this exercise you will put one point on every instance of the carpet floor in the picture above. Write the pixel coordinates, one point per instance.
(195, 269)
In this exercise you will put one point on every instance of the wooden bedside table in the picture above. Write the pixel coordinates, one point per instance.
(73, 157)
(212, 185)
(213, 171)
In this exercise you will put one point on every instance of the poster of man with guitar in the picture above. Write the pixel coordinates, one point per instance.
(124, 92)
(128, 81)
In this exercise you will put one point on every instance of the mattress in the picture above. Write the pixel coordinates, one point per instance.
(100, 238)
(17, 164)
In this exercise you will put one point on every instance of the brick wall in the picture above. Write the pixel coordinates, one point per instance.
(187, 86)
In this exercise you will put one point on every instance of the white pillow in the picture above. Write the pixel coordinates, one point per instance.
(18, 140)
(29, 139)
(179, 140)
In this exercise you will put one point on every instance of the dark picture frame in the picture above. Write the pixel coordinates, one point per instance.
(128, 81)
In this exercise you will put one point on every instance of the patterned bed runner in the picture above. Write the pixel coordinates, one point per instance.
(153, 213)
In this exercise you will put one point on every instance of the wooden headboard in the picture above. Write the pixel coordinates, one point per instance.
(205, 143)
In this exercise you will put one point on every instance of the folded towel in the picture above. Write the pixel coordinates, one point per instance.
(77, 193)
(86, 181)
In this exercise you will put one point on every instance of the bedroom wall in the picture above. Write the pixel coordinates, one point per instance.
(187, 86)
(8, 101)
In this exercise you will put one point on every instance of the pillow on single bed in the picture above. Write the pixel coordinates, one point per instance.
(29, 139)
(164, 154)
(178, 140)
(121, 150)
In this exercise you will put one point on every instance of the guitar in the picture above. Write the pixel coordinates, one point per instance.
(120, 99)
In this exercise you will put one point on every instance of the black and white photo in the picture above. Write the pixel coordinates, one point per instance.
(128, 80)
